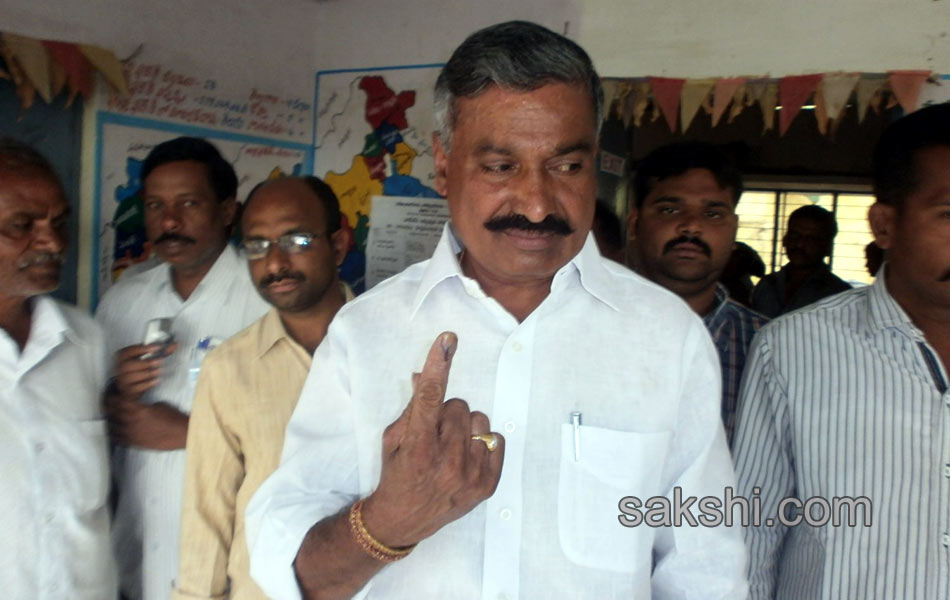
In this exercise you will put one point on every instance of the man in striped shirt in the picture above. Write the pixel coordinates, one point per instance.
(848, 399)
(682, 231)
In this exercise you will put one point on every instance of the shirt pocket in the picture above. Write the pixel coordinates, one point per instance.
(609, 465)
(92, 463)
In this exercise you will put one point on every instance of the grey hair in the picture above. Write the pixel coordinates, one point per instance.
(19, 156)
(516, 55)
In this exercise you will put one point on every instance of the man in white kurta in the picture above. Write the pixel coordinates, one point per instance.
(54, 467)
(598, 384)
(204, 287)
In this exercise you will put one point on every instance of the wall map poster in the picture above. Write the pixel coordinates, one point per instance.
(373, 137)
(123, 142)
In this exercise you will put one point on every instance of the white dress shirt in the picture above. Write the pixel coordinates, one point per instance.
(846, 398)
(151, 482)
(630, 356)
(54, 468)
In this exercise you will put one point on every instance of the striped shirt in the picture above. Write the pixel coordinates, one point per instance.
(732, 327)
(151, 482)
(847, 398)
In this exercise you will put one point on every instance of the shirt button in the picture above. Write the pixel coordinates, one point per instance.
(945, 538)
(48, 517)
(510, 426)
(517, 347)
(39, 447)
(505, 514)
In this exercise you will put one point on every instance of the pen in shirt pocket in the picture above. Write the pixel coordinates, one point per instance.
(576, 424)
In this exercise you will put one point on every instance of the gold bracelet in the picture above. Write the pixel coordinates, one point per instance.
(368, 543)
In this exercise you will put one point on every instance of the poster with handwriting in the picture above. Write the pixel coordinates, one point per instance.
(123, 142)
(404, 231)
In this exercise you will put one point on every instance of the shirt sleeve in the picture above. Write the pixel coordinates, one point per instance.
(317, 476)
(213, 475)
(763, 461)
(699, 561)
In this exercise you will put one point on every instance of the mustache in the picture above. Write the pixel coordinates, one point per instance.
(550, 224)
(169, 236)
(685, 239)
(281, 276)
(41, 258)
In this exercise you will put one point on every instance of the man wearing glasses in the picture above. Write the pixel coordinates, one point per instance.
(250, 384)
(204, 291)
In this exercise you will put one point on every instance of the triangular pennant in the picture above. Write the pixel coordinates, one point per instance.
(835, 90)
(638, 102)
(108, 65)
(869, 87)
(78, 70)
(740, 101)
(764, 92)
(723, 94)
(935, 92)
(34, 62)
(611, 94)
(57, 78)
(794, 90)
(666, 91)
(821, 112)
(695, 92)
(906, 87)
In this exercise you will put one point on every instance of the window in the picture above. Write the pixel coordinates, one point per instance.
(765, 206)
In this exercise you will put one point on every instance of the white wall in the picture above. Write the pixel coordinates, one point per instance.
(705, 38)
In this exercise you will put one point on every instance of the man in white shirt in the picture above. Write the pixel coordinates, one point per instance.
(203, 285)
(605, 385)
(53, 446)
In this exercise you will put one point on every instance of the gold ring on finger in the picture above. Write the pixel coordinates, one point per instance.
(490, 440)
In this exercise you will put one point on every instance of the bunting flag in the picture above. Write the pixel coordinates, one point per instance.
(821, 111)
(869, 94)
(694, 94)
(766, 94)
(666, 92)
(725, 91)
(794, 90)
(638, 101)
(611, 89)
(108, 65)
(77, 69)
(33, 60)
(741, 100)
(835, 90)
(47, 68)
(906, 87)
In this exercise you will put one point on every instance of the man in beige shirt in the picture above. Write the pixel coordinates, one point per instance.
(249, 386)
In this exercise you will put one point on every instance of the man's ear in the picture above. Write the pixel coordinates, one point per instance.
(441, 165)
(229, 211)
(338, 242)
(883, 220)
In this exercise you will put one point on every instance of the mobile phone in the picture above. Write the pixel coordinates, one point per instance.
(158, 331)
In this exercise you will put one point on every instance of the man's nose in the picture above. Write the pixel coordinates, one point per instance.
(171, 218)
(276, 260)
(534, 196)
(689, 223)
(49, 238)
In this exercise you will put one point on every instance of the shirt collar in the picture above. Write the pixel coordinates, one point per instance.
(588, 264)
(271, 332)
(883, 310)
(48, 324)
(722, 296)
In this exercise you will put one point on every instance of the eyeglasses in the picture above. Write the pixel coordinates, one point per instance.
(291, 243)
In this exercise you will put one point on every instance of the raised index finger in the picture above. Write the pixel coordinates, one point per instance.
(431, 384)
